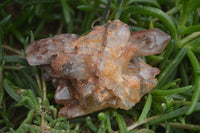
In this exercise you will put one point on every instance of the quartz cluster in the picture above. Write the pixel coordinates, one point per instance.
(101, 69)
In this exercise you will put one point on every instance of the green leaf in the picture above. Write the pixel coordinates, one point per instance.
(149, 2)
(10, 91)
(170, 67)
(1, 50)
(196, 17)
(4, 3)
(169, 102)
(85, 8)
(5, 21)
(188, 38)
(18, 34)
(156, 58)
(90, 124)
(170, 84)
(32, 83)
(171, 91)
(66, 11)
(146, 108)
(184, 75)
(108, 122)
(187, 7)
(167, 53)
(194, 45)
(190, 5)
(121, 123)
(28, 119)
(156, 13)
(1, 83)
(14, 59)
(103, 18)
(39, 28)
(191, 29)
(173, 114)
(196, 69)
(102, 127)
(24, 16)
(31, 36)
(102, 116)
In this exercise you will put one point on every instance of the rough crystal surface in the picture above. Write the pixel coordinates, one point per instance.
(101, 69)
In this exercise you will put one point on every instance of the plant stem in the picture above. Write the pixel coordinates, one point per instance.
(183, 126)
(12, 49)
(43, 122)
(134, 125)
(137, 124)
(44, 87)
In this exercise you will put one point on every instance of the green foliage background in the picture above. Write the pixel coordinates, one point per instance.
(26, 100)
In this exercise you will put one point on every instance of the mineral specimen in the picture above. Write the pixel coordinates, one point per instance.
(101, 69)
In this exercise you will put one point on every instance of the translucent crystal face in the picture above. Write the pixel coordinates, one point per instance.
(101, 69)
(149, 42)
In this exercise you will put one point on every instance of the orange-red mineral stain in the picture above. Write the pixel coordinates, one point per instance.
(101, 69)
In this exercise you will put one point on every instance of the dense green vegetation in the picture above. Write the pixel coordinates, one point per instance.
(27, 102)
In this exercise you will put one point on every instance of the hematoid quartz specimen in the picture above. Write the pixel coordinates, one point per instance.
(101, 69)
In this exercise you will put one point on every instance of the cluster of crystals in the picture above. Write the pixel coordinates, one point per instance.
(102, 69)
